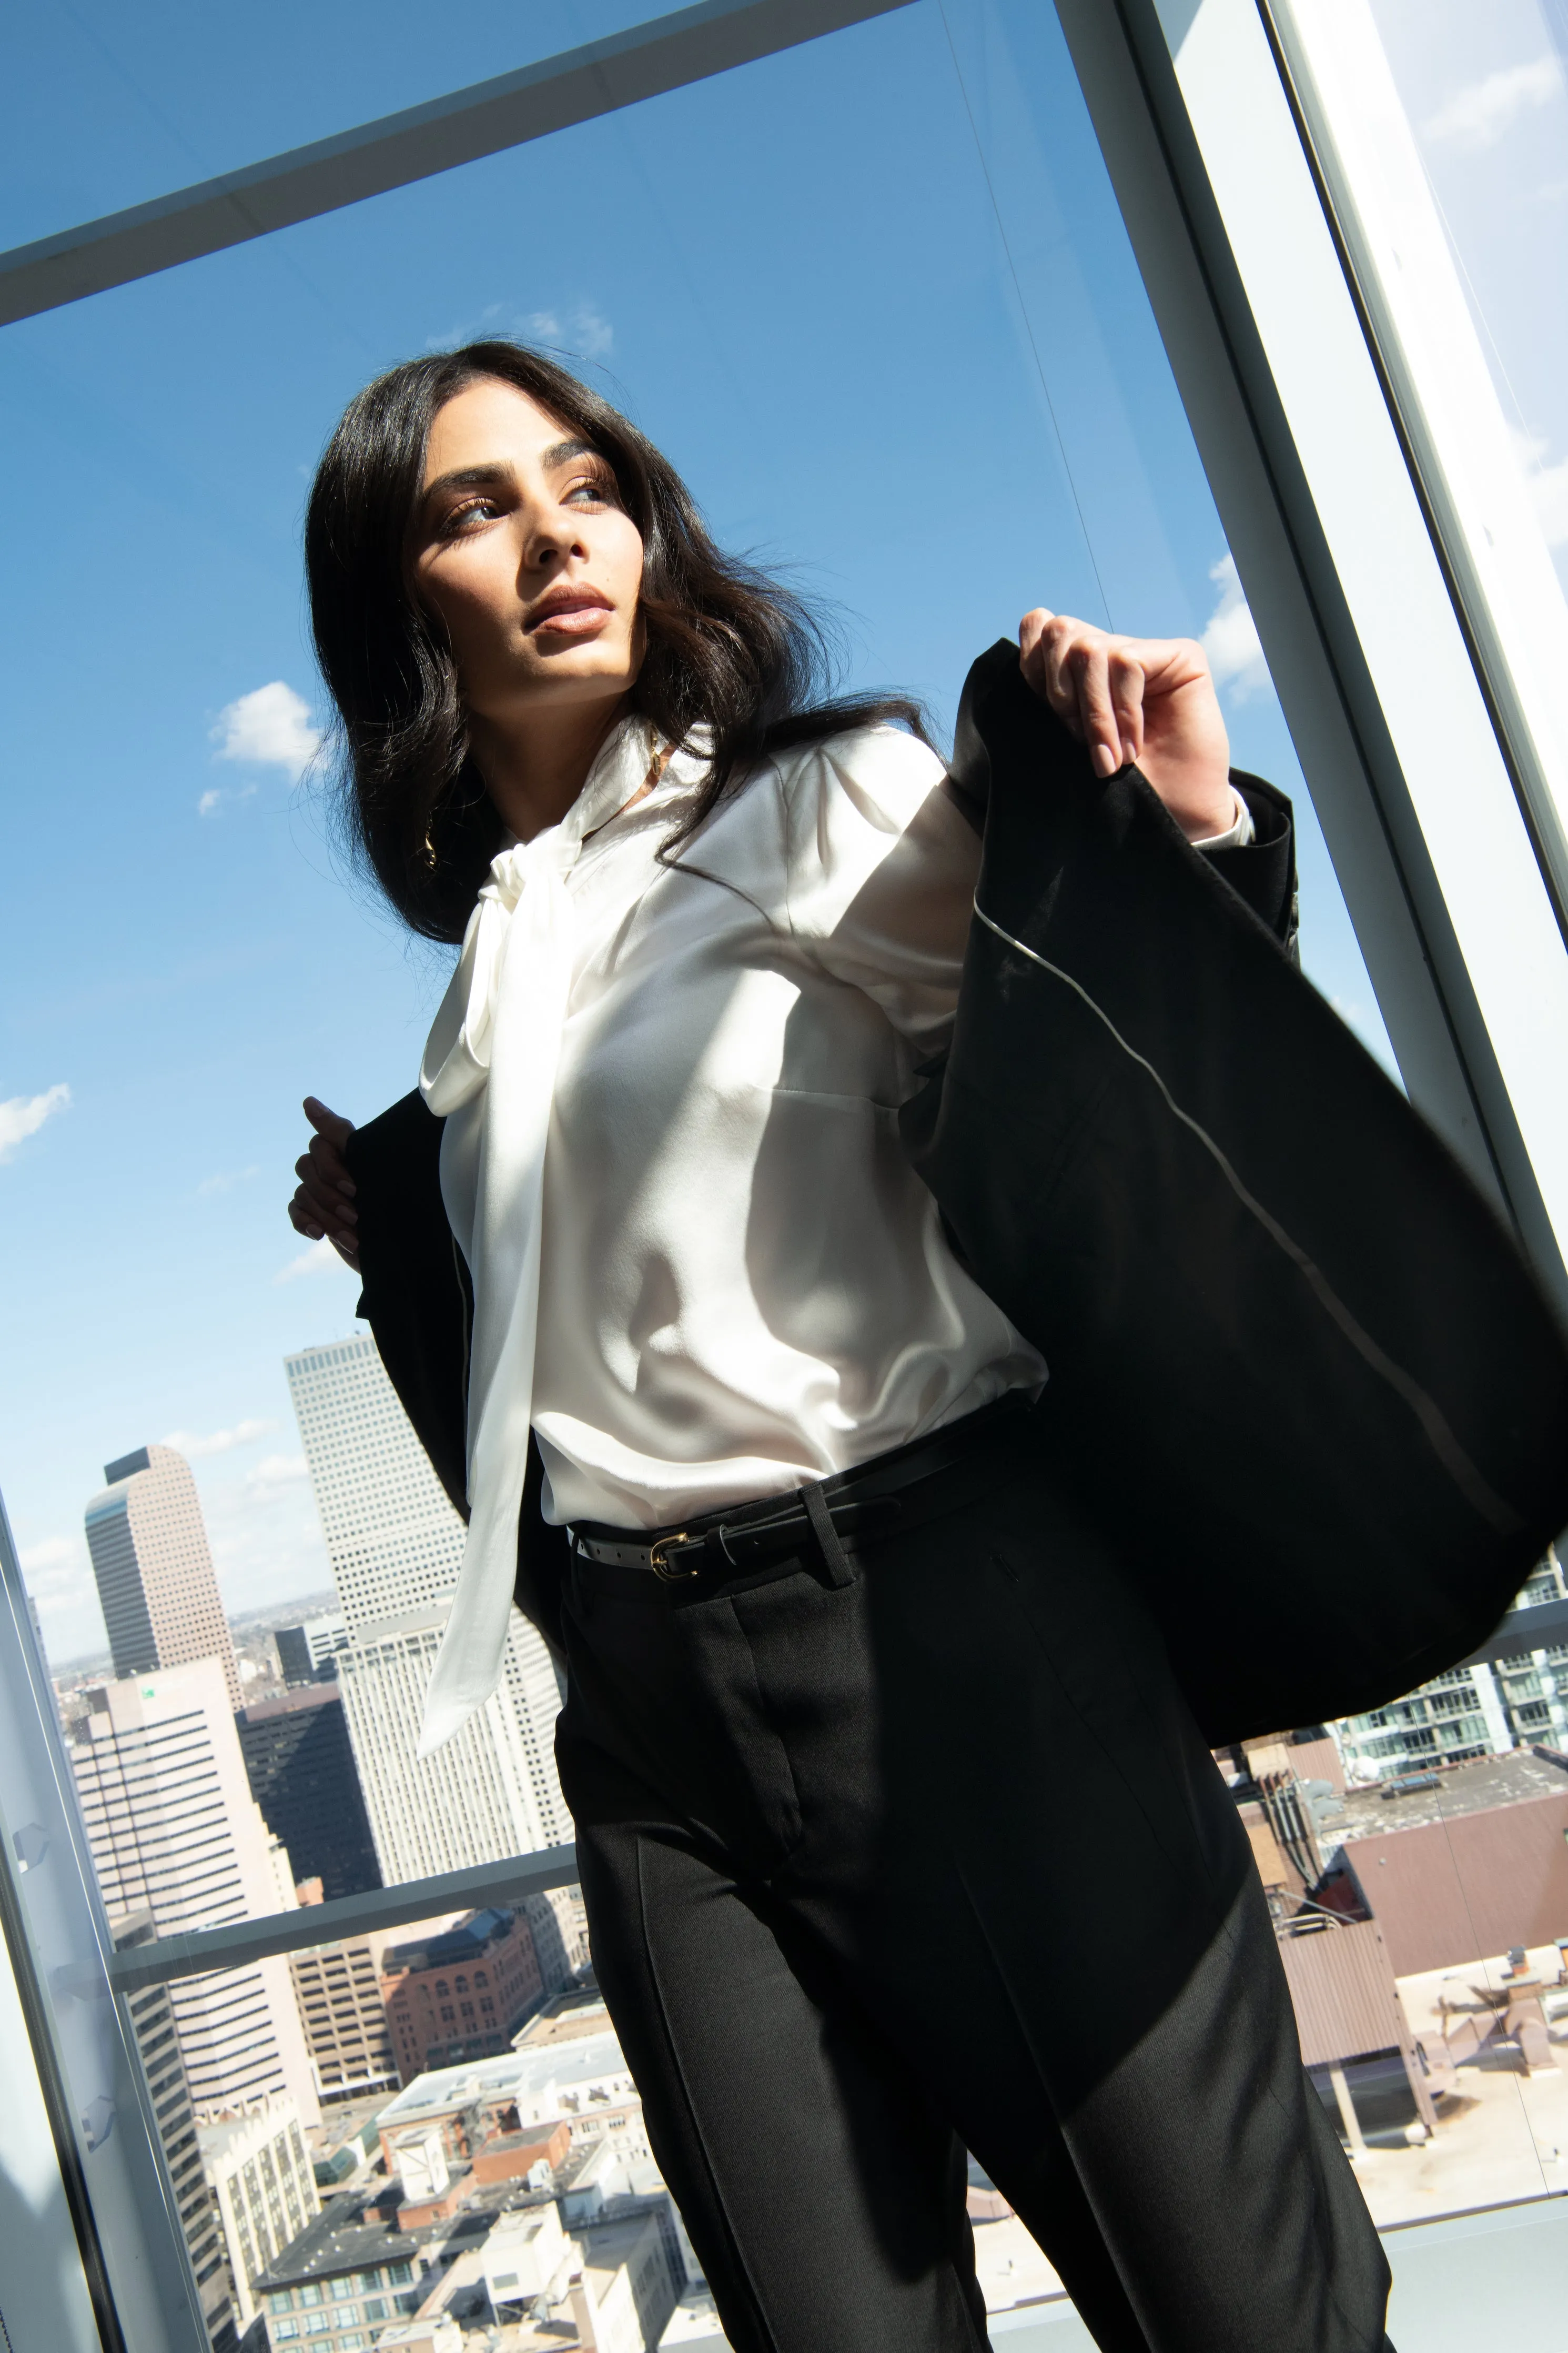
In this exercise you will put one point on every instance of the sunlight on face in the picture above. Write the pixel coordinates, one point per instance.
(521, 546)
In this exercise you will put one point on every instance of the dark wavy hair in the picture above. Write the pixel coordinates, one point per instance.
(727, 646)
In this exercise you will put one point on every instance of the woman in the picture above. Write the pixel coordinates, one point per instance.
(886, 1800)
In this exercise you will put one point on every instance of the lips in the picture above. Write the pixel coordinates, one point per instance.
(570, 612)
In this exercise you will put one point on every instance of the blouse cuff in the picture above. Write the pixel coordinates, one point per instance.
(1239, 835)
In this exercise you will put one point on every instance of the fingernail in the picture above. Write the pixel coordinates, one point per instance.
(346, 1186)
(1104, 760)
(350, 1216)
(1128, 753)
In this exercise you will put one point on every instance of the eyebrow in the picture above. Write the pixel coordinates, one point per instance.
(468, 477)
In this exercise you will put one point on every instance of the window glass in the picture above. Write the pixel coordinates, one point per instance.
(1486, 95)
(945, 274)
(1441, 131)
(899, 348)
(101, 109)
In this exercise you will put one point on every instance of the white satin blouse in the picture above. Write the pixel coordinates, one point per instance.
(703, 1270)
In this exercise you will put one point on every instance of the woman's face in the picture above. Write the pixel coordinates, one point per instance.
(522, 547)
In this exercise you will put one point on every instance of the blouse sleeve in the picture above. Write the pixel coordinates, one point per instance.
(881, 869)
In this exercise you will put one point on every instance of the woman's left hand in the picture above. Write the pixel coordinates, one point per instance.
(1149, 700)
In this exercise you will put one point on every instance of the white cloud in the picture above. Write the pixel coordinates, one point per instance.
(587, 332)
(1231, 640)
(1547, 485)
(319, 1258)
(23, 1115)
(57, 1573)
(275, 1471)
(1476, 117)
(224, 1181)
(216, 1441)
(39, 1559)
(582, 331)
(271, 727)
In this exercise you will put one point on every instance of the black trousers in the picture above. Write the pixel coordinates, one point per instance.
(932, 1859)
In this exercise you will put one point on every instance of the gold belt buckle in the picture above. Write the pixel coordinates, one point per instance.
(658, 1555)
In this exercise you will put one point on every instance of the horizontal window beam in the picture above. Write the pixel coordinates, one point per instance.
(239, 1942)
(664, 54)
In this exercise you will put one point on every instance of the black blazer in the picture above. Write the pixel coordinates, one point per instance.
(1297, 1363)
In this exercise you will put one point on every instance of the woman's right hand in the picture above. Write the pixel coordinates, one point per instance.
(324, 1205)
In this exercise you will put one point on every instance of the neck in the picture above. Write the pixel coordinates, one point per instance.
(535, 771)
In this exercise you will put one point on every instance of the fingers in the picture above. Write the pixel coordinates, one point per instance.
(323, 1206)
(1092, 681)
(329, 1123)
(1126, 682)
(1089, 665)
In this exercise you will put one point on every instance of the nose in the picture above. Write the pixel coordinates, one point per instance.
(548, 538)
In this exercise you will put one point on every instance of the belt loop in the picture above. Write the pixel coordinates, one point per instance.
(833, 1553)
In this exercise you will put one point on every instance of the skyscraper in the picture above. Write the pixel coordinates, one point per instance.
(303, 1776)
(339, 1991)
(395, 1546)
(176, 1831)
(155, 1581)
(393, 1539)
(486, 1793)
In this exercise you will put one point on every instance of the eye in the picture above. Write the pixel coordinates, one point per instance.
(597, 488)
(471, 511)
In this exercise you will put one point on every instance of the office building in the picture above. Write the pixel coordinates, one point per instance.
(308, 1653)
(392, 1538)
(338, 1989)
(302, 1774)
(489, 1792)
(263, 2186)
(339, 2284)
(395, 1544)
(152, 2023)
(156, 1587)
(461, 1992)
(578, 2078)
(174, 1831)
(560, 1924)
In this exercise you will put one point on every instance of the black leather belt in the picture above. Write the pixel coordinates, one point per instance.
(747, 1536)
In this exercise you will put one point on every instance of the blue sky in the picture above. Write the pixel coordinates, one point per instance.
(873, 297)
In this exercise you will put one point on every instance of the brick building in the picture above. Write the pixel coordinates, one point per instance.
(461, 1993)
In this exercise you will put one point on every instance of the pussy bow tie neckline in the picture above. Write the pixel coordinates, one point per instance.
(488, 1070)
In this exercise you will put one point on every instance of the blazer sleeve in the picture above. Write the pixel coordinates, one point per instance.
(1263, 873)
(1187, 1183)
(418, 1302)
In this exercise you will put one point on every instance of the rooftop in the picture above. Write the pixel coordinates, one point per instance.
(572, 2015)
(291, 1703)
(517, 2073)
(337, 2241)
(450, 1948)
(1471, 1788)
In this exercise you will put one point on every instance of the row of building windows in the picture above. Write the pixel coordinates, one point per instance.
(337, 2291)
